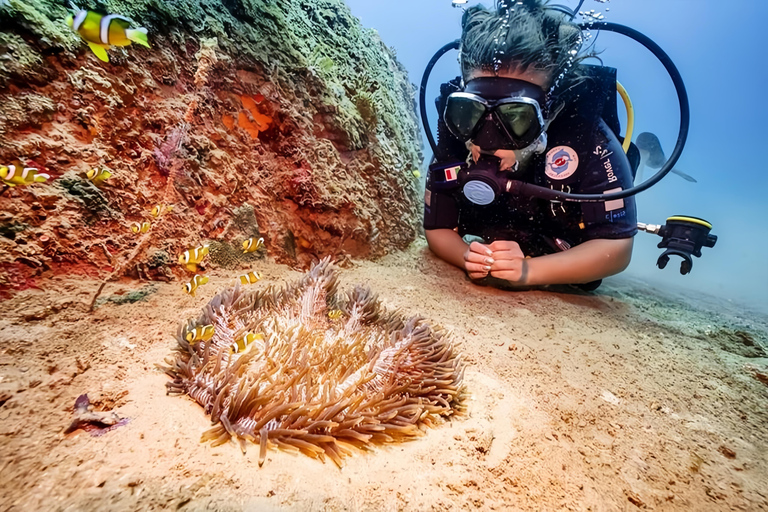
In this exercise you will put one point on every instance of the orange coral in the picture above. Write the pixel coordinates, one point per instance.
(253, 124)
(260, 121)
(228, 121)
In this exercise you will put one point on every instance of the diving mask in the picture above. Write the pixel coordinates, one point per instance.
(496, 113)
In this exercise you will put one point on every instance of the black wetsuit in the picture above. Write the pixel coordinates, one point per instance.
(583, 156)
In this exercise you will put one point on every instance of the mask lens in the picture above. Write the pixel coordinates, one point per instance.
(462, 115)
(518, 118)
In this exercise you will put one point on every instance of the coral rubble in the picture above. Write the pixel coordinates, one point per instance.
(324, 373)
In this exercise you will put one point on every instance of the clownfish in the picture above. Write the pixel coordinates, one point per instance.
(97, 176)
(194, 283)
(140, 228)
(244, 342)
(16, 174)
(252, 245)
(101, 32)
(193, 257)
(201, 332)
(250, 278)
(335, 314)
(161, 209)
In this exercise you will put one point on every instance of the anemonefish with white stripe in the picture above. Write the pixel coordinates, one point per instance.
(16, 174)
(252, 245)
(191, 258)
(244, 342)
(194, 283)
(98, 176)
(160, 209)
(140, 228)
(201, 332)
(102, 31)
(250, 278)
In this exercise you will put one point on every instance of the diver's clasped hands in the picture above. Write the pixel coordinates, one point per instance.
(501, 259)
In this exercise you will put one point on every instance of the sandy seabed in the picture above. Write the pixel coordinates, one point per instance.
(620, 400)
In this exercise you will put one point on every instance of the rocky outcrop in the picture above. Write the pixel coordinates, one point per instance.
(280, 119)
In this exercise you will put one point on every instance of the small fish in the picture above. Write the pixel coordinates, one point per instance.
(193, 257)
(16, 174)
(458, 3)
(252, 245)
(194, 283)
(335, 314)
(161, 209)
(416, 174)
(250, 277)
(200, 333)
(97, 176)
(244, 342)
(101, 32)
(140, 228)
(653, 156)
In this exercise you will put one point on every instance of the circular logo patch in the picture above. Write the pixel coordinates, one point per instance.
(562, 162)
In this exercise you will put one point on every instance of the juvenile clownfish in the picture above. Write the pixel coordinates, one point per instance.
(191, 258)
(335, 314)
(16, 174)
(140, 228)
(97, 176)
(161, 209)
(250, 277)
(200, 333)
(244, 342)
(194, 283)
(252, 245)
(101, 32)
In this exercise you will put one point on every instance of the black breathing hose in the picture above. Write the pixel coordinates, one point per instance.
(423, 91)
(528, 189)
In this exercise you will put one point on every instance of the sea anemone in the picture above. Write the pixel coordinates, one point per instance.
(326, 373)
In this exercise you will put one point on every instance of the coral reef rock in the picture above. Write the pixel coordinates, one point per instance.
(308, 369)
(289, 110)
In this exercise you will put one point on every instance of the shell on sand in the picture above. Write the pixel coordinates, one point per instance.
(312, 382)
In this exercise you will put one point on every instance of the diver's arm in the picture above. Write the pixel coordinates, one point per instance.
(589, 261)
(447, 245)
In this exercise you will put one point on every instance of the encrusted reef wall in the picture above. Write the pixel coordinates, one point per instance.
(283, 119)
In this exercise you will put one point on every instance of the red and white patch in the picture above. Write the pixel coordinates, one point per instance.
(562, 162)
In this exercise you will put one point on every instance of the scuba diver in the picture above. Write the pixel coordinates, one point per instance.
(528, 161)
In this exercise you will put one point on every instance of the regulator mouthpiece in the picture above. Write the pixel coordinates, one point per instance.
(681, 236)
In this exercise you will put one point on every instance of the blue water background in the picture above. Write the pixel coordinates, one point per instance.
(719, 48)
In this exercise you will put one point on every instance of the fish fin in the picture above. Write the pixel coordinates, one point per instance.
(686, 177)
(138, 35)
(100, 51)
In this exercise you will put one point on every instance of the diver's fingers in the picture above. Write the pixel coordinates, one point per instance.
(506, 250)
(476, 271)
(474, 257)
(481, 249)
